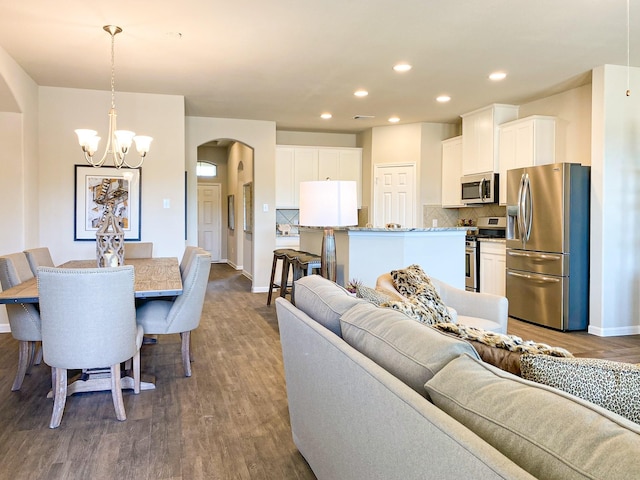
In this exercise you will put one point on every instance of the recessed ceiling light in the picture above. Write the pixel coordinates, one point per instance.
(443, 98)
(361, 93)
(402, 67)
(394, 119)
(326, 116)
(496, 76)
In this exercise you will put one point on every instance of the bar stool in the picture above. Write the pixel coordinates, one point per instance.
(279, 254)
(304, 264)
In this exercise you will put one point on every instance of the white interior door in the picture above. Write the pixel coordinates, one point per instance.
(394, 195)
(209, 219)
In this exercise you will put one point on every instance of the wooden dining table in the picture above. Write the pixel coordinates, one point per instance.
(154, 278)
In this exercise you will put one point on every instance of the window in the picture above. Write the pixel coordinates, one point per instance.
(206, 169)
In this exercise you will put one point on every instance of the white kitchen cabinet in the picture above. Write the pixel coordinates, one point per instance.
(302, 164)
(451, 172)
(493, 268)
(524, 143)
(480, 142)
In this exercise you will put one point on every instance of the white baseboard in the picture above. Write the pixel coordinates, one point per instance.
(5, 328)
(614, 332)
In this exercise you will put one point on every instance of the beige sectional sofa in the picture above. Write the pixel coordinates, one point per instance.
(359, 408)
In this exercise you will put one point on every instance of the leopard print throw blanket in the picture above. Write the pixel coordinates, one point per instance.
(512, 343)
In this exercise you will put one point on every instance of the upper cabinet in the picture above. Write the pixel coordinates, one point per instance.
(524, 143)
(302, 164)
(451, 172)
(480, 142)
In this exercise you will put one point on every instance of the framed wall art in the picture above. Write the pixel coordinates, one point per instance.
(95, 188)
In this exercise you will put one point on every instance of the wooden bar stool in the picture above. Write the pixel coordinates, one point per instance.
(279, 254)
(304, 264)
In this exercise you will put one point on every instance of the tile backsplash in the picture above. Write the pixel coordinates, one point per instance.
(290, 216)
(448, 217)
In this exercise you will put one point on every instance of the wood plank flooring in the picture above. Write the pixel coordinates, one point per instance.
(228, 421)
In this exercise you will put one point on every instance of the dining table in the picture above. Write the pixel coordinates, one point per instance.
(155, 277)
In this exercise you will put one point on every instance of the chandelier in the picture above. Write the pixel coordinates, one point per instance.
(119, 141)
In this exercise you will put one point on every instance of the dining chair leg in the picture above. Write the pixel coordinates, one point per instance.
(38, 348)
(24, 350)
(116, 392)
(136, 373)
(59, 396)
(186, 359)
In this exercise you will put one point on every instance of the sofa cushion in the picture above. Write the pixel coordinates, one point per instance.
(612, 385)
(416, 286)
(324, 300)
(549, 433)
(410, 351)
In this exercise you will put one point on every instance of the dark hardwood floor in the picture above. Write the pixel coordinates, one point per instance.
(228, 421)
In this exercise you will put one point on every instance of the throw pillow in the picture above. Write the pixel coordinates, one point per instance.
(372, 295)
(549, 433)
(416, 285)
(612, 385)
(414, 309)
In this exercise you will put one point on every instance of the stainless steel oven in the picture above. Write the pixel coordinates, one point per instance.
(471, 261)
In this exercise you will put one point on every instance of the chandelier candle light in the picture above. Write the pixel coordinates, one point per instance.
(119, 141)
(328, 204)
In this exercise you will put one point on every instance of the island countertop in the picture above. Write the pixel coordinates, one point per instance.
(364, 253)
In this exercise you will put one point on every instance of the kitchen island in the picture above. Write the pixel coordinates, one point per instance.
(365, 253)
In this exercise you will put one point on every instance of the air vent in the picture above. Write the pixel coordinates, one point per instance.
(363, 117)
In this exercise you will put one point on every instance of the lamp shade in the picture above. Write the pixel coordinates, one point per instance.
(328, 203)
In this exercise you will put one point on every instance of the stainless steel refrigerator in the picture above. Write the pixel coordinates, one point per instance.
(547, 241)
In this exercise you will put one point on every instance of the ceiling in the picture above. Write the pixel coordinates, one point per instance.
(288, 61)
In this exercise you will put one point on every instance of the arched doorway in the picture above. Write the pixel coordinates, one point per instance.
(222, 203)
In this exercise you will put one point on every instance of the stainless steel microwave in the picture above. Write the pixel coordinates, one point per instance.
(482, 188)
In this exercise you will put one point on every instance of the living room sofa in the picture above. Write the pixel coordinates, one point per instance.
(359, 409)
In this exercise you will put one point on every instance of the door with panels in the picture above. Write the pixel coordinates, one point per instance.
(394, 195)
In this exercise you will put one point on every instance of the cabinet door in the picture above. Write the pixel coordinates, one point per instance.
(493, 268)
(350, 168)
(477, 141)
(507, 158)
(285, 185)
(305, 169)
(329, 164)
(451, 172)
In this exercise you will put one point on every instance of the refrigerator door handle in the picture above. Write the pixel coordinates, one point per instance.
(541, 256)
(520, 217)
(534, 278)
(527, 207)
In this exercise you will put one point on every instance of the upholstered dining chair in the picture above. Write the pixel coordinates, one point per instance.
(88, 321)
(187, 257)
(24, 318)
(138, 250)
(39, 257)
(182, 314)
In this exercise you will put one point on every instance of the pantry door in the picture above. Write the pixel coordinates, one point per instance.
(394, 195)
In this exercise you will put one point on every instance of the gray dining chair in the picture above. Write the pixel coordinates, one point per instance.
(182, 314)
(88, 321)
(187, 257)
(39, 257)
(138, 250)
(24, 318)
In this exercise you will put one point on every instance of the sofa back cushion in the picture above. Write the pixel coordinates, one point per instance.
(409, 350)
(324, 300)
(549, 433)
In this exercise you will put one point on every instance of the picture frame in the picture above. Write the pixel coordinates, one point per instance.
(231, 212)
(94, 188)
(247, 203)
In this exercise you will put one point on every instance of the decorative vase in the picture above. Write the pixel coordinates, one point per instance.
(110, 240)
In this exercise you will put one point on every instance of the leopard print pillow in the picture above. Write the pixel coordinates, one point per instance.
(412, 309)
(416, 285)
(372, 295)
(611, 385)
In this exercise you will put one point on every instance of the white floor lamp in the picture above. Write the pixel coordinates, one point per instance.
(328, 204)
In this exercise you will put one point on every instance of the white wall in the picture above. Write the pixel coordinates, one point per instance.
(615, 203)
(18, 161)
(261, 136)
(161, 116)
